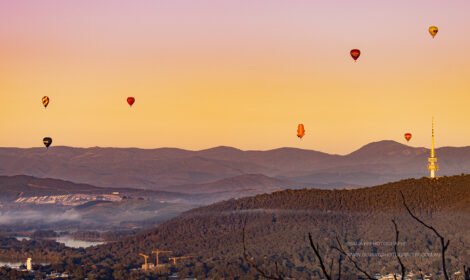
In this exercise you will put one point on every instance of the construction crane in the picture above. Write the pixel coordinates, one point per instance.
(157, 253)
(174, 259)
(146, 264)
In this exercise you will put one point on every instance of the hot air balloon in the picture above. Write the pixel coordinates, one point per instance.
(130, 101)
(408, 137)
(433, 30)
(47, 141)
(355, 54)
(300, 131)
(45, 101)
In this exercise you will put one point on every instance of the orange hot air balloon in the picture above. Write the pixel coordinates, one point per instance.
(355, 54)
(300, 131)
(130, 101)
(408, 137)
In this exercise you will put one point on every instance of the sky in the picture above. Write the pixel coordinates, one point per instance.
(206, 73)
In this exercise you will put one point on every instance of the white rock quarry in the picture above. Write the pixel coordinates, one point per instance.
(68, 199)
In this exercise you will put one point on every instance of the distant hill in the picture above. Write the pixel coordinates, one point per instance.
(165, 168)
(29, 203)
(12, 187)
(235, 184)
(235, 187)
(278, 224)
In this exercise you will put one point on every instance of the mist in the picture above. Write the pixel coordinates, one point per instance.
(29, 216)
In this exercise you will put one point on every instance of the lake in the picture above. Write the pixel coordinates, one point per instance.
(74, 243)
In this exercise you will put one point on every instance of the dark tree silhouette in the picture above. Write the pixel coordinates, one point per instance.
(395, 247)
(326, 273)
(347, 255)
(444, 243)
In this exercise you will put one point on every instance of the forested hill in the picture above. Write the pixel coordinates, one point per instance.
(444, 193)
(278, 224)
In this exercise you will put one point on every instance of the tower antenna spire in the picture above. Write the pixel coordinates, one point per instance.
(432, 160)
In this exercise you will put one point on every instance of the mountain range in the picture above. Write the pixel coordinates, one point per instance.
(220, 168)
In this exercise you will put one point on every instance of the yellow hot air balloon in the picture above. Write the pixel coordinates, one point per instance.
(433, 30)
(45, 101)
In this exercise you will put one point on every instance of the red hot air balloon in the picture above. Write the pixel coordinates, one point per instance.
(408, 137)
(130, 101)
(355, 54)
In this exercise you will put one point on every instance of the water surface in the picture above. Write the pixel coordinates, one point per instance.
(74, 243)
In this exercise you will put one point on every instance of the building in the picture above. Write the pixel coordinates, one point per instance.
(29, 264)
(57, 275)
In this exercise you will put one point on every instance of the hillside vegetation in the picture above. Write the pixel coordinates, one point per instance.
(278, 224)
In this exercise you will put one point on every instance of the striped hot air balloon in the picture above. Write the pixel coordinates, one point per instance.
(45, 101)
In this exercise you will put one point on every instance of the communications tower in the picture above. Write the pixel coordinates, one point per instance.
(432, 160)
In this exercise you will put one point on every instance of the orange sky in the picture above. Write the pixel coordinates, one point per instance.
(225, 73)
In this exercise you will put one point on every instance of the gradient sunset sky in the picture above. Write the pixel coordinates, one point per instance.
(236, 73)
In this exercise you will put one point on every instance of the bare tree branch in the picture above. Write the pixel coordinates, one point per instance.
(253, 263)
(331, 267)
(341, 250)
(278, 272)
(320, 259)
(421, 273)
(397, 236)
(340, 262)
(444, 243)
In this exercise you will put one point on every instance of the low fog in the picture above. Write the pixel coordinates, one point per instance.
(30, 216)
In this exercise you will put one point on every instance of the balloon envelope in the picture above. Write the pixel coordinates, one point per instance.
(130, 101)
(45, 101)
(408, 136)
(300, 131)
(355, 54)
(433, 30)
(47, 141)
